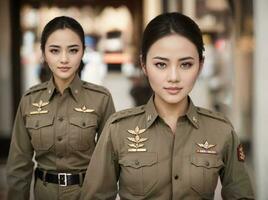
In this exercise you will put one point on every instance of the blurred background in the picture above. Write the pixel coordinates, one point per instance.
(233, 80)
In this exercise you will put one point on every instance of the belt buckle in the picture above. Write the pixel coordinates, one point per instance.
(62, 179)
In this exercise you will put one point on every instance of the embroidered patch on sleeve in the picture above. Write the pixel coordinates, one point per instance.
(240, 153)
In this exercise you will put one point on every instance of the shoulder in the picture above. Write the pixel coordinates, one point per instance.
(213, 115)
(126, 114)
(95, 88)
(36, 88)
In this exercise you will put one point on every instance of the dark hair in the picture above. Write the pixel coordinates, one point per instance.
(168, 24)
(61, 22)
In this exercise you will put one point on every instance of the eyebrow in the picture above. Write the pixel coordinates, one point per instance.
(166, 59)
(57, 46)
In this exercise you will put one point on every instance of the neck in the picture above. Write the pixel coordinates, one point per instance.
(171, 112)
(62, 84)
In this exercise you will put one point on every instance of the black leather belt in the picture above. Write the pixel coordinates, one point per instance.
(63, 179)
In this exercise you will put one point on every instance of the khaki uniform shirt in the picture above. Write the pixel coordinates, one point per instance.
(61, 130)
(138, 149)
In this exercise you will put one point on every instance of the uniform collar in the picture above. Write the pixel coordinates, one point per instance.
(192, 114)
(75, 88)
(152, 114)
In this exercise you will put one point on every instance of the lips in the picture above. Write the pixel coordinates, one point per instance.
(173, 90)
(64, 68)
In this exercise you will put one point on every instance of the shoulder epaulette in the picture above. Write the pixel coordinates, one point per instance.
(36, 88)
(213, 114)
(95, 87)
(126, 113)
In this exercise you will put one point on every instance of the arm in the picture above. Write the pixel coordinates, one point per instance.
(102, 174)
(235, 180)
(108, 109)
(19, 164)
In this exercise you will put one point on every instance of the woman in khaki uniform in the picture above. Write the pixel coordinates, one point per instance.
(57, 120)
(168, 148)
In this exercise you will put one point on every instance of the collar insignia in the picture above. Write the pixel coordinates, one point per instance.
(84, 109)
(39, 106)
(206, 148)
(137, 145)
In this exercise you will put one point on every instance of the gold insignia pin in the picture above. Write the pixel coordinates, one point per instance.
(137, 140)
(206, 148)
(84, 109)
(39, 106)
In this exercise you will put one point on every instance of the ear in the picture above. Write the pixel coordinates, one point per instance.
(201, 64)
(143, 66)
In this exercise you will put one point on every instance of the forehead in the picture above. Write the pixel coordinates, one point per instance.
(63, 37)
(173, 44)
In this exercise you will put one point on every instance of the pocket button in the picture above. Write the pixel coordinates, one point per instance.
(137, 162)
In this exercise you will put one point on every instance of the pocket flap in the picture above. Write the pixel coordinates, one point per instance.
(207, 162)
(36, 123)
(82, 122)
(139, 160)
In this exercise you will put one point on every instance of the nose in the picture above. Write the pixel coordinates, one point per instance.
(64, 57)
(173, 74)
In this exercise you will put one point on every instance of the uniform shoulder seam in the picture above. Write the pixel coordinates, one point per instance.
(96, 88)
(214, 115)
(36, 88)
(126, 113)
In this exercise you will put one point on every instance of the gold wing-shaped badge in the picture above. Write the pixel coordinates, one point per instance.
(137, 140)
(84, 109)
(206, 145)
(206, 148)
(39, 106)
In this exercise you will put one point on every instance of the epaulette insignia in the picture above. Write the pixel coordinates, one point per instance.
(36, 88)
(95, 87)
(127, 113)
(213, 114)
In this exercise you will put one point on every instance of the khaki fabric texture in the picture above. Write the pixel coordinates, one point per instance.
(61, 130)
(138, 149)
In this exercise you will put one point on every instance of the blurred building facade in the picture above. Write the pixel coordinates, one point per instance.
(233, 80)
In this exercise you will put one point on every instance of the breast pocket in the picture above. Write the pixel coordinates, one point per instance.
(82, 133)
(41, 131)
(138, 172)
(204, 174)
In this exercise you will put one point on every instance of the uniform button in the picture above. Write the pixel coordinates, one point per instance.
(137, 162)
(207, 163)
(176, 177)
(84, 124)
(59, 138)
(60, 156)
(60, 119)
(37, 124)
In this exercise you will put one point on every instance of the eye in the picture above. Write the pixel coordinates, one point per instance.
(73, 51)
(161, 65)
(186, 65)
(54, 51)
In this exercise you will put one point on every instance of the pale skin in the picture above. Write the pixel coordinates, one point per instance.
(172, 67)
(63, 54)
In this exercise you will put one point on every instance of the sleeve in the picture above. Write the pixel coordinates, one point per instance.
(108, 109)
(235, 180)
(19, 164)
(102, 174)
